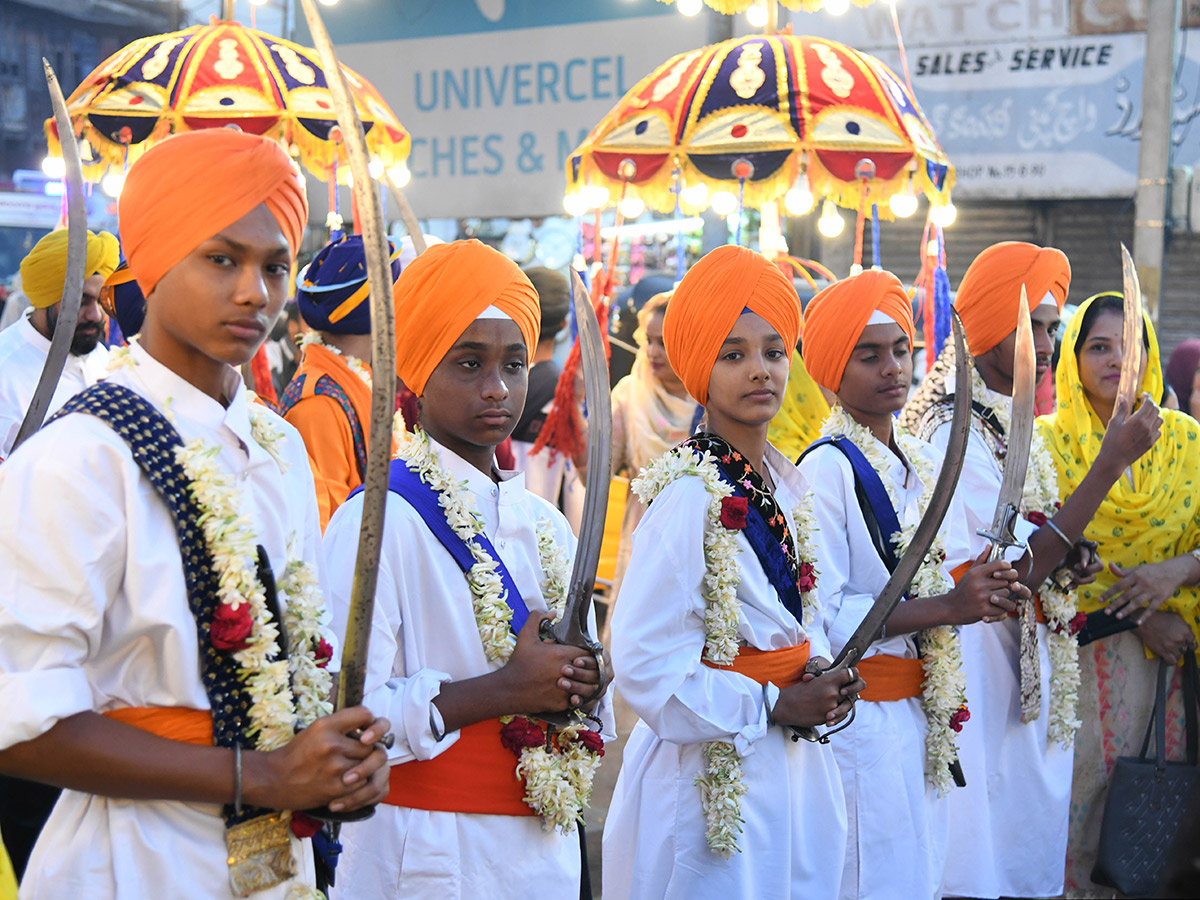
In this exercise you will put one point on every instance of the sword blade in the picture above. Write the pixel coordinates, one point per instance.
(1020, 432)
(383, 372)
(1131, 364)
(72, 295)
(897, 586)
(572, 627)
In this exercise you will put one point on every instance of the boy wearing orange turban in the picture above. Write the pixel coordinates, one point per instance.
(714, 627)
(164, 542)
(895, 758)
(24, 346)
(471, 563)
(1023, 760)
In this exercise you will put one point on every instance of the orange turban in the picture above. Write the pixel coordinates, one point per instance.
(990, 291)
(186, 189)
(707, 303)
(44, 270)
(836, 317)
(443, 291)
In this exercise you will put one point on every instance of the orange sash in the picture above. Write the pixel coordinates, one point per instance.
(189, 726)
(783, 667)
(476, 775)
(890, 678)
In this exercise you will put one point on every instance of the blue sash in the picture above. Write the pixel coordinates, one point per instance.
(424, 499)
(876, 505)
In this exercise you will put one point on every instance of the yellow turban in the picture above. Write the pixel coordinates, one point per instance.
(45, 268)
(707, 303)
(991, 289)
(186, 189)
(443, 291)
(837, 316)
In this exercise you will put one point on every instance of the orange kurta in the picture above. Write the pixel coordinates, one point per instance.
(327, 434)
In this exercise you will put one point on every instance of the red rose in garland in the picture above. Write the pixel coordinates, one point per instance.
(960, 717)
(733, 512)
(231, 627)
(808, 579)
(521, 733)
(592, 741)
(1037, 518)
(324, 653)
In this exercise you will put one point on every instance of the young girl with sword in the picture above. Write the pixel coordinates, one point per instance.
(715, 626)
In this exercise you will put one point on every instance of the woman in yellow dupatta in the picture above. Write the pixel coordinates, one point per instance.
(1146, 528)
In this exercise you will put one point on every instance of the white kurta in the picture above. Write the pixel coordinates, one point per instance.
(898, 826)
(1008, 831)
(424, 635)
(23, 353)
(794, 835)
(94, 616)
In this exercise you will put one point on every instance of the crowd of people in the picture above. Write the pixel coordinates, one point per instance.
(177, 562)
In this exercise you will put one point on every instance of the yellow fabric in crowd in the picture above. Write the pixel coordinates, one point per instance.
(44, 270)
(1156, 519)
(798, 422)
(8, 879)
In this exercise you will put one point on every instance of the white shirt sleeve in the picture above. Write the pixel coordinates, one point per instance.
(658, 632)
(62, 559)
(406, 700)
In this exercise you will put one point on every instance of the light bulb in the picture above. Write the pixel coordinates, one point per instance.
(54, 167)
(799, 201)
(836, 7)
(399, 175)
(375, 168)
(689, 7)
(723, 203)
(944, 216)
(632, 207)
(756, 15)
(696, 195)
(112, 183)
(830, 224)
(575, 204)
(596, 196)
(903, 205)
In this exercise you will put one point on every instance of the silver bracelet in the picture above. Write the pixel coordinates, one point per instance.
(767, 707)
(1066, 540)
(237, 779)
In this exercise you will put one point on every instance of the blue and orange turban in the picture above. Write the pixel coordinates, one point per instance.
(332, 291)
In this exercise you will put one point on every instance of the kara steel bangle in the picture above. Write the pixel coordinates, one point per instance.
(1066, 540)
(237, 779)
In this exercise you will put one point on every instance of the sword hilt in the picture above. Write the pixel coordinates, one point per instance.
(573, 716)
(809, 732)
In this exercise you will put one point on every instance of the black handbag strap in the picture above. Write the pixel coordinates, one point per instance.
(1191, 711)
(1158, 721)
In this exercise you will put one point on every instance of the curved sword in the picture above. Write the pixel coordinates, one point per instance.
(72, 295)
(901, 579)
(383, 391)
(1008, 502)
(572, 627)
(1131, 363)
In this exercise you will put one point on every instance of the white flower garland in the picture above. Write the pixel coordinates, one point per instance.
(353, 363)
(721, 785)
(277, 705)
(943, 692)
(558, 778)
(806, 553)
(1058, 605)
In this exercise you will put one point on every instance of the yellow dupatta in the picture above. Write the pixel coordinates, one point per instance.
(804, 410)
(1159, 516)
(8, 880)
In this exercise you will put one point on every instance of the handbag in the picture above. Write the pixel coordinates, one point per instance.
(1148, 797)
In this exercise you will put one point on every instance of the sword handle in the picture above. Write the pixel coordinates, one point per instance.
(325, 814)
(566, 717)
(811, 733)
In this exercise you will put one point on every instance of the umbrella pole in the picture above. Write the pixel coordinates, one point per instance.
(773, 17)
(227, 10)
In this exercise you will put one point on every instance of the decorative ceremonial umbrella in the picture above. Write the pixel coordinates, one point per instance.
(219, 74)
(759, 116)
